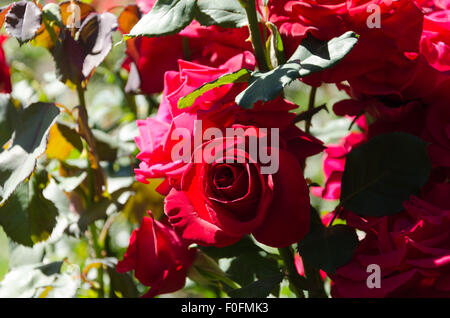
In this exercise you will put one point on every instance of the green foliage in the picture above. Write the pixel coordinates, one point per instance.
(383, 173)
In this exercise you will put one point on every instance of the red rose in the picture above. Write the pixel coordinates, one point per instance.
(385, 61)
(158, 256)
(412, 249)
(218, 203)
(5, 73)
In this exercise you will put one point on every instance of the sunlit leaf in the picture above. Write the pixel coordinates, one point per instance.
(23, 20)
(29, 142)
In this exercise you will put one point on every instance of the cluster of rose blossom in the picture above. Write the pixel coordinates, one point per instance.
(398, 75)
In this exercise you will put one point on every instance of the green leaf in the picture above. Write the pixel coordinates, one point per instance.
(8, 118)
(383, 173)
(245, 268)
(329, 248)
(23, 20)
(166, 17)
(259, 289)
(240, 76)
(29, 142)
(27, 216)
(315, 55)
(310, 57)
(227, 14)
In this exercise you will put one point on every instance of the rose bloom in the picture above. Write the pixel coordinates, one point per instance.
(218, 202)
(385, 61)
(412, 249)
(159, 258)
(210, 46)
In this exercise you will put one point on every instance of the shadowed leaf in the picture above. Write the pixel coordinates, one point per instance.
(383, 173)
(27, 216)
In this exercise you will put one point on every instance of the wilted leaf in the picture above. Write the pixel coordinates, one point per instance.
(73, 13)
(383, 173)
(69, 58)
(129, 18)
(23, 20)
(274, 46)
(59, 147)
(29, 142)
(27, 216)
(166, 17)
(240, 76)
(310, 57)
(95, 37)
(227, 14)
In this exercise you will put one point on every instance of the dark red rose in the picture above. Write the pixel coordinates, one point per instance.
(218, 203)
(412, 249)
(159, 258)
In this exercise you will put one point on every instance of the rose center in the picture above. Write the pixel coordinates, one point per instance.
(224, 177)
